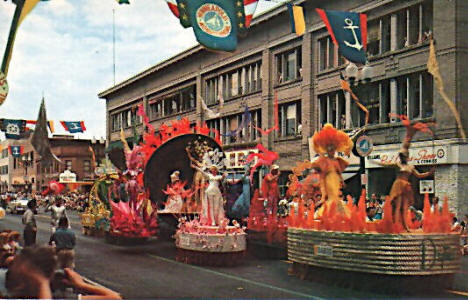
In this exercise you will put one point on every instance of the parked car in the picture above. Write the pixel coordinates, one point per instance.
(18, 206)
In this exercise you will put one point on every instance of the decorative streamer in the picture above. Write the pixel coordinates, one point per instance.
(347, 88)
(276, 116)
(246, 119)
(433, 69)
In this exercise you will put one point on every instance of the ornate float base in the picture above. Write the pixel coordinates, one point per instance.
(210, 247)
(402, 262)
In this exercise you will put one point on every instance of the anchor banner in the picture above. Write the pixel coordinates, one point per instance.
(73, 127)
(348, 31)
(16, 151)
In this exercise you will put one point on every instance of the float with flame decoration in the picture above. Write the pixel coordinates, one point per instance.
(328, 233)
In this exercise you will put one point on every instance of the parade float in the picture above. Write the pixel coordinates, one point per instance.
(327, 233)
(187, 185)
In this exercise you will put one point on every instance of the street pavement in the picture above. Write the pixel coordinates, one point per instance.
(150, 271)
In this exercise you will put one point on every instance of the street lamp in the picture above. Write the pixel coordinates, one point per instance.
(355, 77)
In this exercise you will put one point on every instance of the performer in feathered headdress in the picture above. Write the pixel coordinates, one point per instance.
(327, 143)
(401, 194)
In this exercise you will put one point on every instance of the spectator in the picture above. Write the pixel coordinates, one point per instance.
(64, 240)
(29, 221)
(57, 211)
(464, 235)
(33, 272)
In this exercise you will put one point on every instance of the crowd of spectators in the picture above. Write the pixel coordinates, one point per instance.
(34, 271)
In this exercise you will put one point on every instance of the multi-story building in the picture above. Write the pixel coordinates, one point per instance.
(76, 156)
(18, 173)
(304, 73)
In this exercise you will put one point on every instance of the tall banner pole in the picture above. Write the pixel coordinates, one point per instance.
(12, 35)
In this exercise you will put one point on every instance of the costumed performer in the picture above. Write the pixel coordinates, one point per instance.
(270, 190)
(174, 201)
(326, 143)
(401, 193)
(212, 203)
(241, 206)
(198, 178)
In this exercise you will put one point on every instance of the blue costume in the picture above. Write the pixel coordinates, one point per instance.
(241, 207)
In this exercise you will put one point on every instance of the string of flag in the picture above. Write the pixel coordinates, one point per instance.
(16, 129)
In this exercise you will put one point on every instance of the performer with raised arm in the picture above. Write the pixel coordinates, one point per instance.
(401, 193)
(212, 203)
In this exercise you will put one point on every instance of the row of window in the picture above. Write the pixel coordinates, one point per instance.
(179, 102)
(228, 125)
(411, 26)
(412, 97)
(125, 119)
(289, 65)
(244, 80)
(56, 167)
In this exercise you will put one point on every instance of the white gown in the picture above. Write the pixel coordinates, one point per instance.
(212, 204)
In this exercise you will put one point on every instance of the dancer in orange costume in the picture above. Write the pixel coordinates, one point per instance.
(326, 143)
(401, 193)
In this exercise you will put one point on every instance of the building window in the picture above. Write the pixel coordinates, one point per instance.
(211, 91)
(414, 95)
(87, 166)
(332, 109)
(289, 119)
(68, 164)
(155, 110)
(116, 121)
(378, 36)
(328, 54)
(289, 65)
(414, 24)
(226, 126)
(188, 98)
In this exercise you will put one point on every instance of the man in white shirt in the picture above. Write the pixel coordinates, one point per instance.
(57, 211)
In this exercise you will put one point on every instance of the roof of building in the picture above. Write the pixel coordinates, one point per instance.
(280, 8)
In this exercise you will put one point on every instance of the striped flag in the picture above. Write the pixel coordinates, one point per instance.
(296, 15)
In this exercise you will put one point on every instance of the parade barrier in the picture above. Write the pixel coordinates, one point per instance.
(404, 257)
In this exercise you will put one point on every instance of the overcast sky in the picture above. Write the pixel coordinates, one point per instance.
(63, 50)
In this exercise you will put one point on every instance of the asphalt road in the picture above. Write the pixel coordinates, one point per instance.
(150, 271)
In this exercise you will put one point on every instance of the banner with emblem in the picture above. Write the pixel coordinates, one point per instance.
(3, 87)
(73, 126)
(348, 31)
(216, 23)
(16, 151)
(13, 129)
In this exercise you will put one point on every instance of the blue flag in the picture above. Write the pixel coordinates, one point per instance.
(73, 127)
(348, 30)
(16, 151)
(215, 23)
(13, 129)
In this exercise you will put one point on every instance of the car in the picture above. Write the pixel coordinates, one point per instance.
(18, 206)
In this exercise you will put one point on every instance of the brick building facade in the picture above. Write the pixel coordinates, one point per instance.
(304, 73)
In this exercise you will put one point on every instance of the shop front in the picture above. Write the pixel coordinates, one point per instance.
(446, 156)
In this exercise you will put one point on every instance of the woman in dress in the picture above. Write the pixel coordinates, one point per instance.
(212, 203)
(174, 191)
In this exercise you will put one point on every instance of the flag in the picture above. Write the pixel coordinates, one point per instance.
(73, 126)
(16, 151)
(433, 69)
(3, 87)
(296, 16)
(249, 9)
(123, 1)
(40, 138)
(50, 124)
(14, 129)
(348, 31)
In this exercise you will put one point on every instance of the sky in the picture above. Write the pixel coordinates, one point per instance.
(63, 51)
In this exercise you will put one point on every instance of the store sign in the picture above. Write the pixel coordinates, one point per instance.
(426, 186)
(238, 158)
(67, 177)
(417, 156)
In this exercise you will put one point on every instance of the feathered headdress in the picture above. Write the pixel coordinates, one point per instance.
(330, 136)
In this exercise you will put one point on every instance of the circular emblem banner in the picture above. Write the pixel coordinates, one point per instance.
(213, 20)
